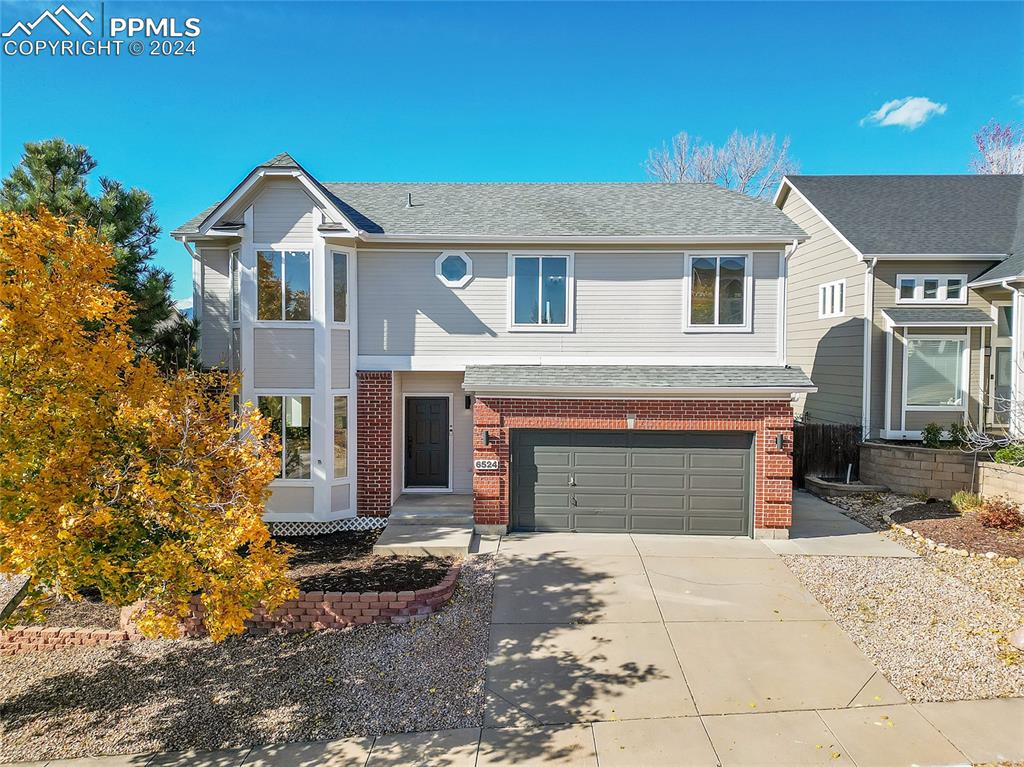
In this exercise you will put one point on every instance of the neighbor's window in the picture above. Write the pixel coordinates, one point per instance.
(454, 269)
(718, 286)
(1004, 321)
(540, 287)
(282, 285)
(935, 372)
(236, 288)
(340, 437)
(931, 288)
(340, 287)
(289, 418)
(832, 299)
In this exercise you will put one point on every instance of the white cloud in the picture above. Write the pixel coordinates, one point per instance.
(910, 112)
(1018, 100)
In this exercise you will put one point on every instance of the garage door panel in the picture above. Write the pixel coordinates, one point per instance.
(658, 482)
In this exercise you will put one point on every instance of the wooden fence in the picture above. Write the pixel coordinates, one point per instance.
(825, 449)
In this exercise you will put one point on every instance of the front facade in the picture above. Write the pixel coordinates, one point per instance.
(906, 305)
(575, 357)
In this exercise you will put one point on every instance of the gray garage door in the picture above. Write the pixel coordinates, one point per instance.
(631, 481)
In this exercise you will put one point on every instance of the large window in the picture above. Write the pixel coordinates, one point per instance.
(340, 437)
(541, 293)
(340, 287)
(931, 289)
(236, 289)
(718, 292)
(282, 285)
(832, 299)
(935, 373)
(289, 418)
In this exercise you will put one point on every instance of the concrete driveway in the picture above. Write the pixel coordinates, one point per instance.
(678, 650)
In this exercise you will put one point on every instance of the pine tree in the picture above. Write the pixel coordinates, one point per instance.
(55, 174)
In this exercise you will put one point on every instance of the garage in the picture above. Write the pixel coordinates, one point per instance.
(693, 483)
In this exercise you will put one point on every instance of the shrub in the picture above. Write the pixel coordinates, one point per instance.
(1001, 513)
(957, 434)
(931, 435)
(1012, 454)
(965, 501)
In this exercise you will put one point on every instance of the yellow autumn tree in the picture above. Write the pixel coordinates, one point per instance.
(111, 476)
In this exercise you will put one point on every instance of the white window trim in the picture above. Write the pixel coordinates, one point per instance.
(965, 361)
(281, 248)
(460, 283)
(824, 290)
(280, 479)
(349, 257)
(235, 273)
(570, 292)
(748, 292)
(403, 432)
(919, 289)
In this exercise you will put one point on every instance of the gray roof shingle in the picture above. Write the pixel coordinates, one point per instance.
(934, 315)
(920, 214)
(652, 378)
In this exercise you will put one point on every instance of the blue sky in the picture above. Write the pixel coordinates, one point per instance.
(517, 92)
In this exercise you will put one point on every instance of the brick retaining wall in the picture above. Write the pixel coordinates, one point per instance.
(910, 469)
(1001, 479)
(44, 638)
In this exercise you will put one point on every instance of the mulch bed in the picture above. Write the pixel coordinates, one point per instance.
(939, 521)
(346, 562)
(89, 612)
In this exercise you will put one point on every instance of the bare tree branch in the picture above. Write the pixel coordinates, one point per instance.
(1000, 149)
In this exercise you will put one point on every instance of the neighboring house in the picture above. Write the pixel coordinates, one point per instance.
(606, 357)
(936, 264)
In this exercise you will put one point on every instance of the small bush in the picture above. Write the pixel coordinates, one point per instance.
(931, 435)
(1001, 513)
(957, 434)
(965, 501)
(1012, 454)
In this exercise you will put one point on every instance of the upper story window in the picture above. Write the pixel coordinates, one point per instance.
(719, 292)
(931, 289)
(282, 285)
(454, 269)
(832, 299)
(340, 289)
(236, 288)
(541, 292)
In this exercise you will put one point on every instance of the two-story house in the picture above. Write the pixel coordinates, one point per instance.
(906, 305)
(584, 357)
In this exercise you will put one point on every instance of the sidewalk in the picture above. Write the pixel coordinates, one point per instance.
(963, 732)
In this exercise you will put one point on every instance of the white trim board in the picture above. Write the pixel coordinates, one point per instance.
(456, 363)
(403, 431)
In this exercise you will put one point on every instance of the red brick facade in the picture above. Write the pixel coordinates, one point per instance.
(766, 418)
(374, 393)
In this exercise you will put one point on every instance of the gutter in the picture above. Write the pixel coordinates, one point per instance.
(582, 392)
(611, 240)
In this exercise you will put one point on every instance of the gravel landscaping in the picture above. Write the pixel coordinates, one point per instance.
(932, 634)
(169, 696)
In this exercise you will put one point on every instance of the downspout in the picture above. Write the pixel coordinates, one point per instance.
(784, 301)
(1016, 384)
(869, 324)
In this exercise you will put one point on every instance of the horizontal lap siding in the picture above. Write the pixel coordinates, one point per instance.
(829, 350)
(215, 321)
(283, 358)
(283, 212)
(341, 360)
(626, 304)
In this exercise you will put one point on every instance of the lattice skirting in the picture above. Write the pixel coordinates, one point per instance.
(289, 529)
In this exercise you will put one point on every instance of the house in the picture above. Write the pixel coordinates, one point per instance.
(604, 357)
(906, 305)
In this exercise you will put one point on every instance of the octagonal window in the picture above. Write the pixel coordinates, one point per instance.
(454, 269)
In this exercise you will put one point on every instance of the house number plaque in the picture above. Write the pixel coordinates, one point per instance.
(485, 464)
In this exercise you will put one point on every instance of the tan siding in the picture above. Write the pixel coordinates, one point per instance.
(290, 500)
(215, 321)
(341, 360)
(829, 350)
(626, 304)
(462, 421)
(283, 358)
(282, 212)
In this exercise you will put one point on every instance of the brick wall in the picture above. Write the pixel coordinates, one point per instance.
(1001, 479)
(913, 469)
(773, 489)
(374, 393)
(45, 638)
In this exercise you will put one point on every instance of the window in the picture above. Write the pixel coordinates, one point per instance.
(454, 269)
(931, 288)
(541, 296)
(1004, 321)
(282, 285)
(289, 418)
(340, 287)
(718, 292)
(832, 299)
(935, 373)
(236, 289)
(340, 437)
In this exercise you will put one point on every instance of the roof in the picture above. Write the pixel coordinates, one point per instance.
(652, 378)
(546, 210)
(939, 317)
(920, 215)
(1010, 269)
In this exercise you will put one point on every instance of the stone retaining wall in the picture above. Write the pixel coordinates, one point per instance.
(1001, 479)
(911, 469)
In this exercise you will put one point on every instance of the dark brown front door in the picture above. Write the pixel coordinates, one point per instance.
(426, 442)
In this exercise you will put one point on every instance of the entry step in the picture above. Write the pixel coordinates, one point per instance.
(424, 540)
